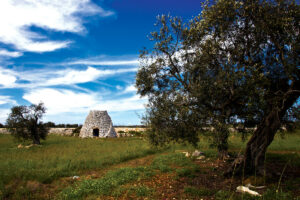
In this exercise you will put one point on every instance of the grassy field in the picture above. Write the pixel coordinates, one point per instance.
(129, 168)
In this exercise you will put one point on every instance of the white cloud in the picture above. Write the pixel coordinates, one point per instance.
(69, 77)
(118, 87)
(61, 101)
(126, 104)
(3, 115)
(107, 63)
(130, 88)
(16, 18)
(7, 79)
(64, 101)
(50, 77)
(14, 54)
(6, 100)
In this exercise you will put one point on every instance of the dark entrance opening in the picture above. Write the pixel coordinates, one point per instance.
(96, 132)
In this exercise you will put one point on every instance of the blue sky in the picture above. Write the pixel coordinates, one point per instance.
(78, 55)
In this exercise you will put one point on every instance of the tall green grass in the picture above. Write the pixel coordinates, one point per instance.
(65, 156)
(60, 156)
(281, 142)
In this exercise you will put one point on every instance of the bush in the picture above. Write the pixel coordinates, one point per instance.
(135, 133)
(76, 131)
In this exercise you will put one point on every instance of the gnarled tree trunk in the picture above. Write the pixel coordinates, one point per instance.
(254, 157)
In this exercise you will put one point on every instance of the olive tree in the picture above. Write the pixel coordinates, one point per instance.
(236, 64)
(24, 123)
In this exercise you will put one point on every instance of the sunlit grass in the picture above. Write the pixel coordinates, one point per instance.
(281, 142)
(61, 156)
(65, 156)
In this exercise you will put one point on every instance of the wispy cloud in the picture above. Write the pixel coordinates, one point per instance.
(69, 77)
(58, 101)
(14, 54)
(16, 18)
(7, 78)
(7, 100)
(50, 77)
(124, 104)
(106, 63)
(130, 88)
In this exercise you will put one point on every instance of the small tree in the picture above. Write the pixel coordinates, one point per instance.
(24, 123)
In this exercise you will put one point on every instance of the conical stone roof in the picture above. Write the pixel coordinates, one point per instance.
(97, 124)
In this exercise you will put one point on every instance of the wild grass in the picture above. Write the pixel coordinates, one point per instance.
(113, 183)
(65, 156)
(104, 185)
(196, 192)
(68, 156)
(281, 142)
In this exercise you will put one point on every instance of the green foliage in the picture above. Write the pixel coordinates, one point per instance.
(142, 191)
(136, 133)
(224, 195)
(24, 123)
(166, 163)
(235, 63)
(50, 124)
(187, 172)
(276, 195)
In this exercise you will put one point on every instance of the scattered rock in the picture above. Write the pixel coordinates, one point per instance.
(197, 153)
(201, 158)
(187, 154)
(75, 177)
(243, 189)
(20, 146)
(28, 146)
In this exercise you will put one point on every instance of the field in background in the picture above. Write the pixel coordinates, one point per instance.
(49, 169)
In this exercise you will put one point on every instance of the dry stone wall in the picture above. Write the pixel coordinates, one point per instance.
(4, 131)
(52, 131)
(61, 131)
(127, 129)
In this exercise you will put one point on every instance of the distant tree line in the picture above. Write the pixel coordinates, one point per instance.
(131, 126)
(53, 125)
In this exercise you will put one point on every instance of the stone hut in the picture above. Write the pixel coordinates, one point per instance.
(97, 124)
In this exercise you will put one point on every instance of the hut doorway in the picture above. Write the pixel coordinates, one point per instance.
(96, 132)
